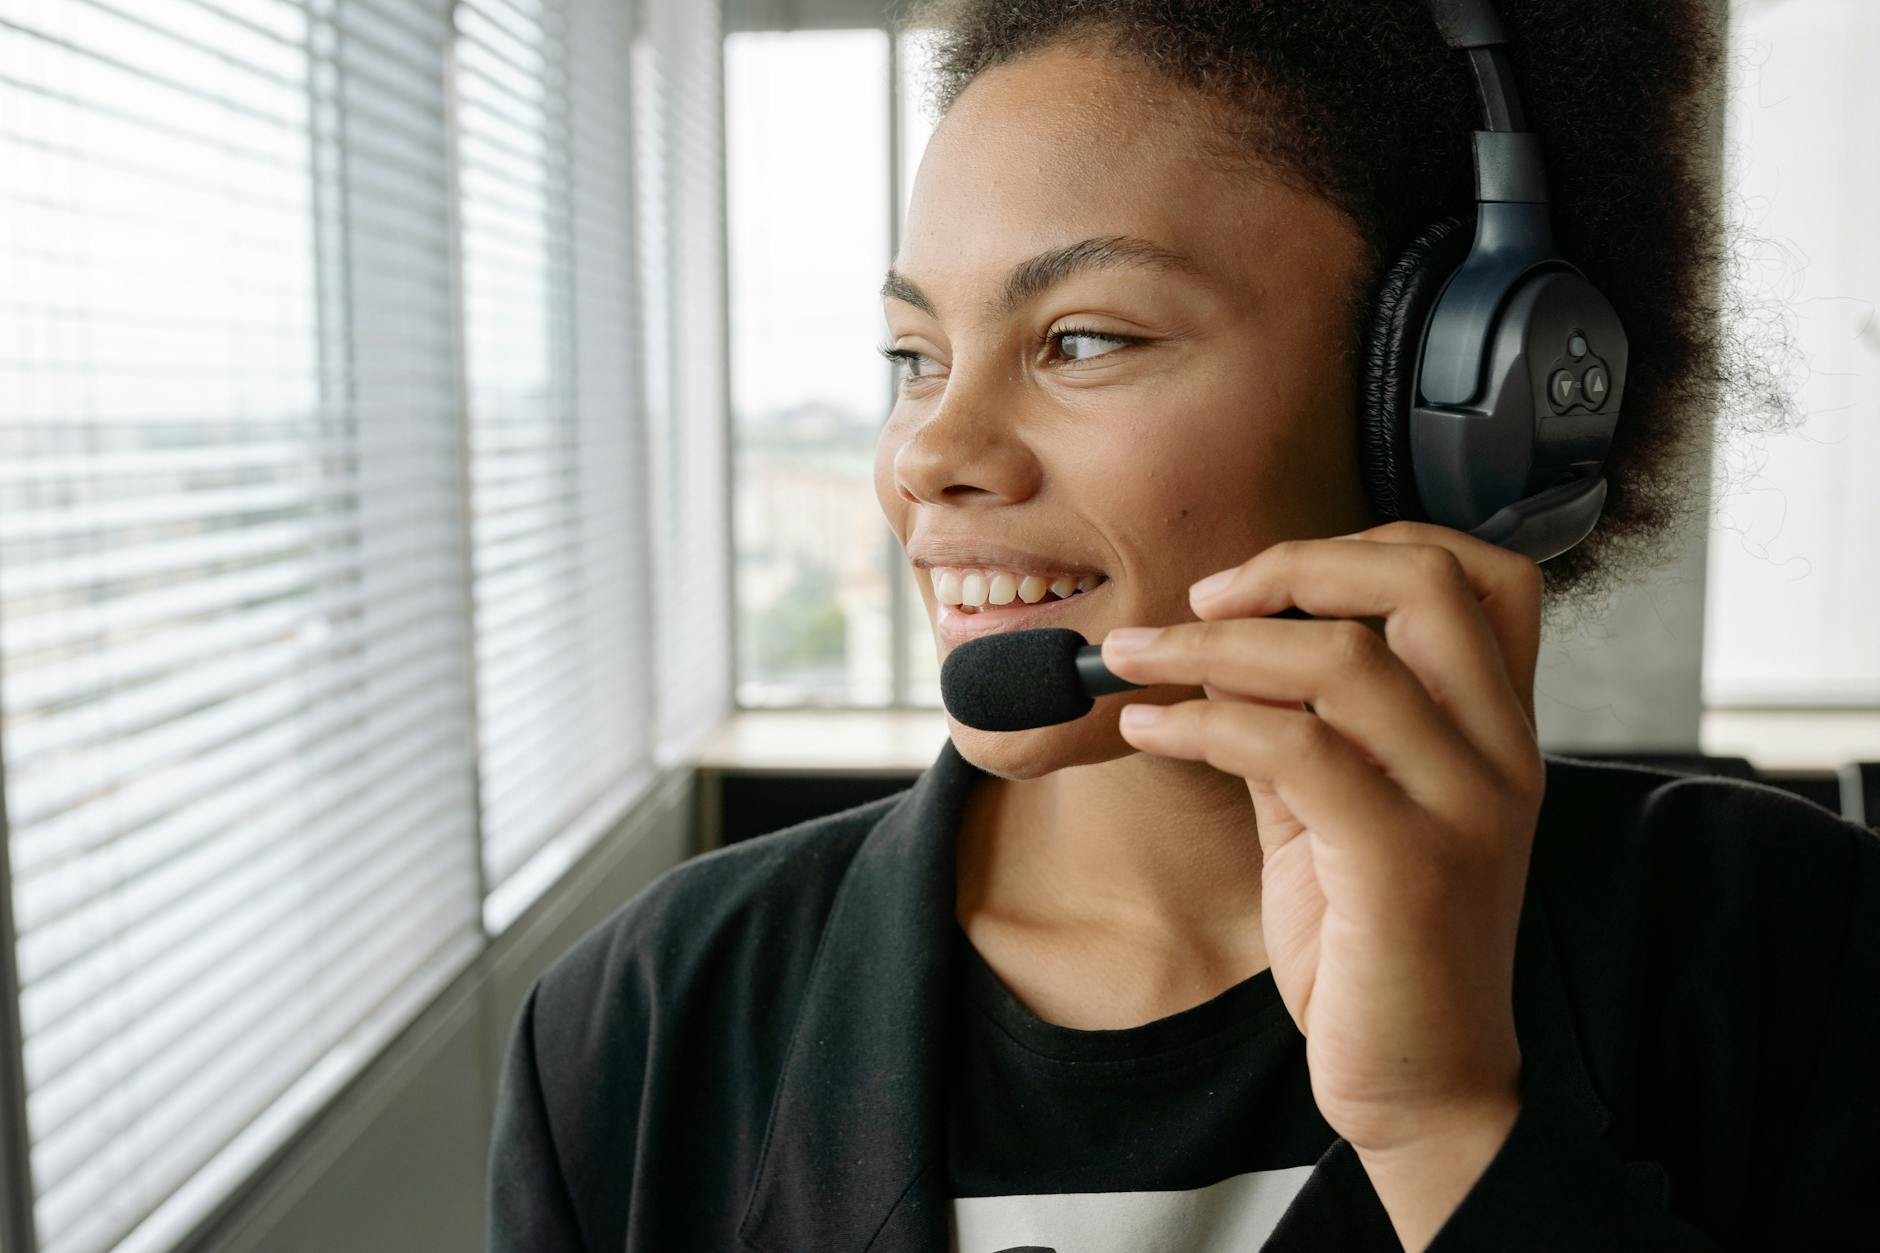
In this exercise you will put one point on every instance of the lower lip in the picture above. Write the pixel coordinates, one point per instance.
(954, 627)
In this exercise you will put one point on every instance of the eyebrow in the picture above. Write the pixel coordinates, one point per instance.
(1038, 274)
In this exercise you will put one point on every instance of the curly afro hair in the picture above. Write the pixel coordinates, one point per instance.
(1360, 102)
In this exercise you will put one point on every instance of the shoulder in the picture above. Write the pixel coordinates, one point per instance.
(1720, 940)
(1713, 916)
(1648, 855)
(1698, 837)
(735, 910)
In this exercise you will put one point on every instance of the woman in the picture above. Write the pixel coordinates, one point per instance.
(1208, 969)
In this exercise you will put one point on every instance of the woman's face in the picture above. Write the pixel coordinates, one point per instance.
(1203, 412)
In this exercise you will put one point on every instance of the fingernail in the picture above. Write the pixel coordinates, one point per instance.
(1213, 585)
(1139, 715)
(1130, 639)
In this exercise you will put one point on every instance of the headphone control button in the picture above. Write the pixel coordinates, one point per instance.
(1560, 388)
(1576, 347)
(1594, 383)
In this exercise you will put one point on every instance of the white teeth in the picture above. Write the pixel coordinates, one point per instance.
(972, 589)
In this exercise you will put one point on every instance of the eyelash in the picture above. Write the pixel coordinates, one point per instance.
(905, 356)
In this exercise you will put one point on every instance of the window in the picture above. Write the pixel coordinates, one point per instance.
(1792, 593)
(237, 728)
(808, 109)
(333, 410)
(828, 612)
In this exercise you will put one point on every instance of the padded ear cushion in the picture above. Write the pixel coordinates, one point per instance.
(1394, 333)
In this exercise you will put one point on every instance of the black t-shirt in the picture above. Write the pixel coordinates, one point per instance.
(1193, 1132)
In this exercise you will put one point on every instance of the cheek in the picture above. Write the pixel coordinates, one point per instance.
(1183, 475)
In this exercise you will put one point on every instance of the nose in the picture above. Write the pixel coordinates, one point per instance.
(962, 454)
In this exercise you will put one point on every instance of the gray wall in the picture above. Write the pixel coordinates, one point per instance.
(1633, 679)
(397, 1163)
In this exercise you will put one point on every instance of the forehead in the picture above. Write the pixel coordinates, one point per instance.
(1067, 131)
(1072, 144)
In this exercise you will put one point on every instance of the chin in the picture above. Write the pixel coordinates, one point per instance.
(1028, 754)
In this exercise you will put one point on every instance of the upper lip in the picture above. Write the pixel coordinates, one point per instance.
(968, 552)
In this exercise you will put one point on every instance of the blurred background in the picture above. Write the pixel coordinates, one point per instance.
(435, 453)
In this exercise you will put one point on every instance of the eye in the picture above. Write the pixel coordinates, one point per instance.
(903, 356)
(1074, 333)
(911, 359)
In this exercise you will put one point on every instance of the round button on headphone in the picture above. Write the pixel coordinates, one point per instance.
(1492, 369)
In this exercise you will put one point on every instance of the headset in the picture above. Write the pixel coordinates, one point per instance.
(1492, 369)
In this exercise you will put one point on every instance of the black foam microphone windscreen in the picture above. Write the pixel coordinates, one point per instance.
(1017, 680)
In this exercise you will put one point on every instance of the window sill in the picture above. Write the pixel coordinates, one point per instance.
(824, 741)
(897, 741)
(1792, 739)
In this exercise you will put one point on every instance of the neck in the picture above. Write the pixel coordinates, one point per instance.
(1145, 847)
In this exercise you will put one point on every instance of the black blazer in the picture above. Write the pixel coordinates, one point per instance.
(748, 1056)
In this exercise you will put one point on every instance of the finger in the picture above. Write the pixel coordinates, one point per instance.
(1317, 772)
(1432, 620)
(1507, 587)
(1349, 675)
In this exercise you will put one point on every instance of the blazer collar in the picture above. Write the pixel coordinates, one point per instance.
(854, 1155)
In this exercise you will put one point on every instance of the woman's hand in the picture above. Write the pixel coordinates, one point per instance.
(1395, 818)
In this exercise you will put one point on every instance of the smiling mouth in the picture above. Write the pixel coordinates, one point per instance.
(975, 590)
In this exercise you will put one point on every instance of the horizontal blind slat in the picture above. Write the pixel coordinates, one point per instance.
(169, 814)
(232, 567)
(67, 1079)
(395, 784)
(245, 1076)
(217, 781)
(161, 1044)
(245, 131)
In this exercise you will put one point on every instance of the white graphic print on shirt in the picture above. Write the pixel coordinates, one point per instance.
(1232, 1216)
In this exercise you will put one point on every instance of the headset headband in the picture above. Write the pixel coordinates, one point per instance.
(1493, 452)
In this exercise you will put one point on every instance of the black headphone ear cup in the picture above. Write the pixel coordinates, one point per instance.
(1393, 335)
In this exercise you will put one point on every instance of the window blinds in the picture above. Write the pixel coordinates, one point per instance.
(544, 145)
(329, 396)
(679, 66)
(237, 727)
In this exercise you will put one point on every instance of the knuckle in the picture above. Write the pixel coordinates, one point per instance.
(1309, 738)
(1262, 565)
(1202, 638)
(1530, 781)
(1515, 790)
(1354, 648)
(1439, 566)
